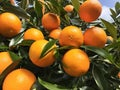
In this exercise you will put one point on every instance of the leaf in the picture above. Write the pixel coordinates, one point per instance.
(114, 15)
(51, 86)
(111, 28)
(76, 4)
(15, 9)
(26, 42)
(38, 8)
(3, 47)
(99, 78)
(8, 70)
(117, 7)
(100, 52)
(48, 47)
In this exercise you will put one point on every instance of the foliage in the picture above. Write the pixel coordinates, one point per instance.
(105, 62)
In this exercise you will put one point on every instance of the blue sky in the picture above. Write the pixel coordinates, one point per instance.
(106, 5)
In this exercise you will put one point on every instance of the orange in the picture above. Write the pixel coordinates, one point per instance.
(50, 21)
(75, 62)
(118, 75)
(10, 24)
(33, 34)
(71, 36)
(110, 38)
(12, 2)
(68, 8)
(5, 61)
(35, 53)
(19, 79)
(95, 36)
(55, 33)
(90, 10)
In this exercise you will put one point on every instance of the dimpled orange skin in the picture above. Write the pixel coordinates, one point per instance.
(71, 36)
(5, 61)
(75, 62)
(33, 34)
(10, 24)
(95, 36)
(35, 52)
(55, 34)
(19, 79)
(50, 21)
(90, 10)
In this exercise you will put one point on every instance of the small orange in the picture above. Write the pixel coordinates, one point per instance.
(68, 8)
(118, 75)
(55, 33)
(19, 79)
(12, 2)
(75, 62)
(50, 21)
(35, 53)
(71, 36)
(5, 61)
(95, 36)
(33, 34)
(110, 38)
(10, 24)
(90, 10)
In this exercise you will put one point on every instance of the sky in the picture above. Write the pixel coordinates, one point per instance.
(106, 5)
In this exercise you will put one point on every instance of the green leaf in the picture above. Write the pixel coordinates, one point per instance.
(117, 7)
(38, 8)
(15, 9)
(26, 42)
(76, 4)
(3, 47)
(8, 70)
(51, 86)
(110, 28)
(48, 47)
(99, 78)
(100, 52)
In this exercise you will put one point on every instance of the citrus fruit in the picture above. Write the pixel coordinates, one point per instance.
(19, 79)
(110, 38)
(71, 36)
(95, 36)
(10, 24)
(50, 21)
(90, 10)
(35, 53)
(55, 33)
(5, 61)
(75, 62)
(33, 34)
(68, 8)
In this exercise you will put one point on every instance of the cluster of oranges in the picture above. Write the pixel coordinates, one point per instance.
(75, 62)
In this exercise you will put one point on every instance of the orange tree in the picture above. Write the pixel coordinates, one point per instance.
(85, 67)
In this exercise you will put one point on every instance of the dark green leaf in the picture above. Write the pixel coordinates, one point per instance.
(113, 14)
(117, 7)
(3, 47)
(110, 28)
(100, 52)
(48, 47)
(8, 70)
(15, 9)
(76, 4)
(51, 86)
(38, 8)
(99, 78)
(24, 4)
(26, 42)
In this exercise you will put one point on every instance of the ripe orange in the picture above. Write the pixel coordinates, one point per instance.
(50, 21)
(110, 38)
(90, 10)
(5, 61)
(118, 75)
(12, 2)
(35, 52)
(75, 62)
(33, 34)
(95, 36)
(19, 79)
(55, 33)
(68, 8)
(10, 24)
(71, 36)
